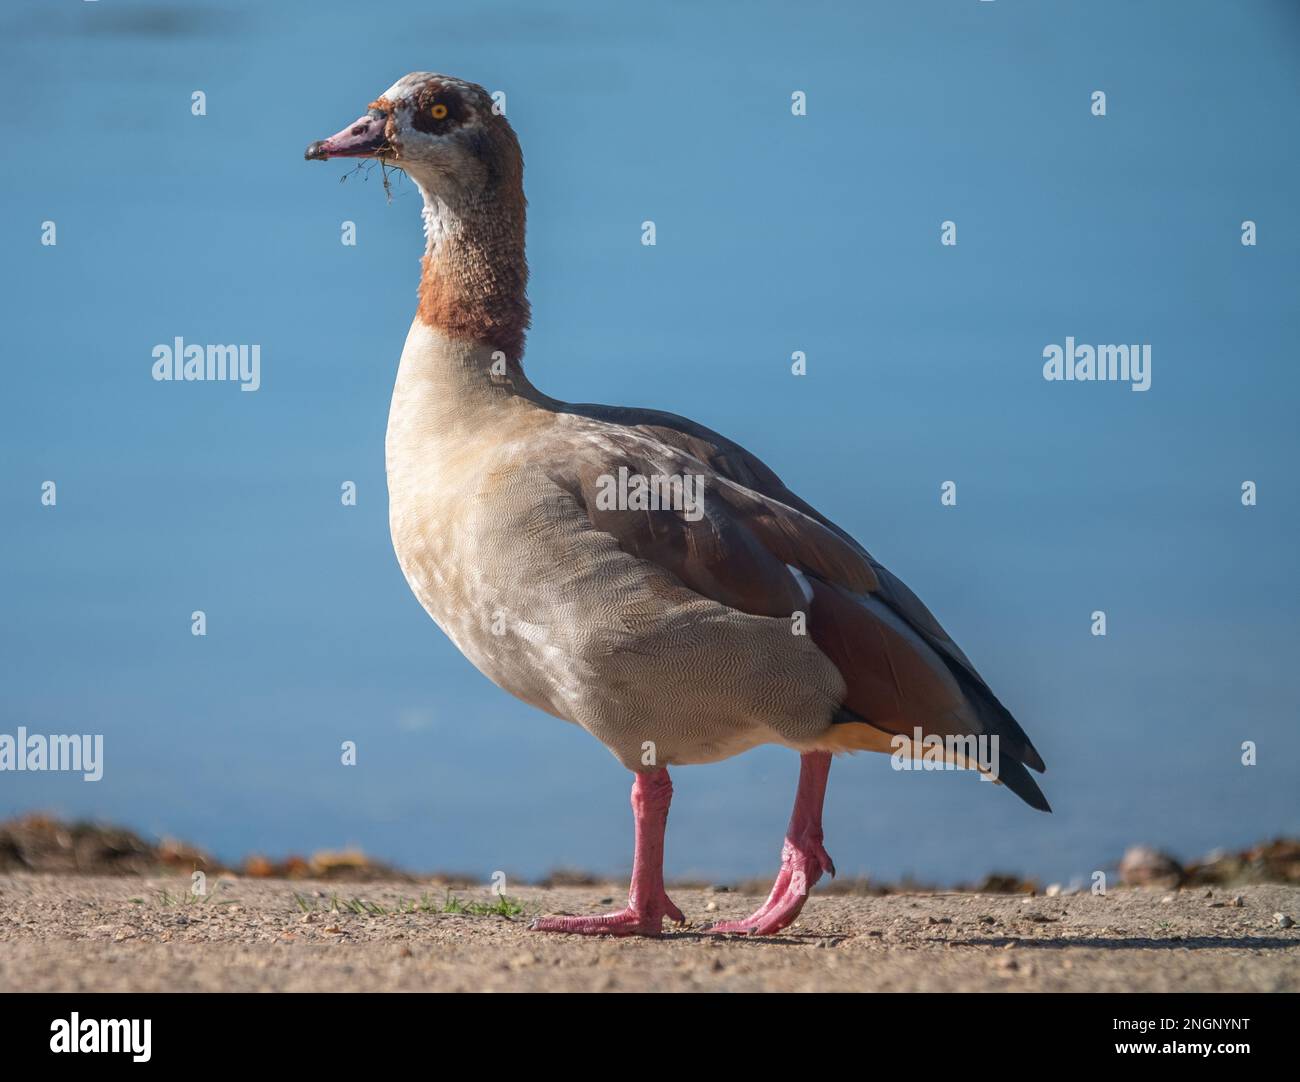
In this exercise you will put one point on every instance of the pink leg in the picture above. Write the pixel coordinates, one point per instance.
(803, 858)
(647, 901)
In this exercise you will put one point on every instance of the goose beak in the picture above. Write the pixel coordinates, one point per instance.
(363, 138)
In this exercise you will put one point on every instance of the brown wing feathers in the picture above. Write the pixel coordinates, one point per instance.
(998, 719)
(897, 683)
(900, 667)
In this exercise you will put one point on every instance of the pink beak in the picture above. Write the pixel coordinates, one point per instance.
(363, 138)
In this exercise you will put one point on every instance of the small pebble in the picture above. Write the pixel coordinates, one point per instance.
(1283, 920)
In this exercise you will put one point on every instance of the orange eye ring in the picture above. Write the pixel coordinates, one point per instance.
(438, 112)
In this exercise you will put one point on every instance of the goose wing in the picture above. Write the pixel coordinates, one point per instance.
(753, 545)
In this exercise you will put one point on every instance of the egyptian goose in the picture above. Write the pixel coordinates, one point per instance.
(673, 631)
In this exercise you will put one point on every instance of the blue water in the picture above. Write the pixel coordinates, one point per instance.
(774, 233)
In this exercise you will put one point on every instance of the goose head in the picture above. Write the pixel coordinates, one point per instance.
(462, 154)
(444, 133)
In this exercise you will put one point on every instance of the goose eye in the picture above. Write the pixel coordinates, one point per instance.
(438, 111)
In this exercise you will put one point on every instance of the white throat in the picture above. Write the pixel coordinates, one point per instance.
(440, 220)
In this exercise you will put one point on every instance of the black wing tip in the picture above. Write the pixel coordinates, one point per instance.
(1011, 773)
(1041, 804)
(996, 717)
(1014, 776)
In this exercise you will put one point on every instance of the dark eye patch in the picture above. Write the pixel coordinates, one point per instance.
(433, 99)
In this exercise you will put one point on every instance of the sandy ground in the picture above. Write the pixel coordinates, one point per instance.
(73, 933)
